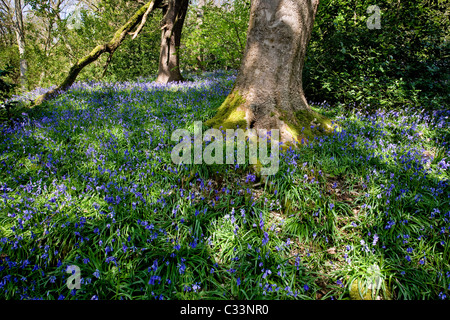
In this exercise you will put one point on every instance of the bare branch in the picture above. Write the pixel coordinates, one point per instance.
(144, 20)
(109, 47)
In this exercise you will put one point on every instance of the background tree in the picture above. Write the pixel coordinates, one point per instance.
(20, 35)
(136, 21)
(174, 13)
(218, 37)
(48, 40)
(9, 55)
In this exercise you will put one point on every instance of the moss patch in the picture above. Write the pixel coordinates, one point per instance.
(360, 291)
(308, 124)
(228, 116)
(304, 125)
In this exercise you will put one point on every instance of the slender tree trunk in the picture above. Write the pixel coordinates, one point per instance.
(172, 25)
(20, 36)
(41, 78)
(268, 92)
(200, 12)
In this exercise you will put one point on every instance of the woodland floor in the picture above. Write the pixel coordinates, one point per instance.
(89, 181)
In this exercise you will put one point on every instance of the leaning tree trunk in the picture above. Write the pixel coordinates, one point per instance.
(136, 21)
(268, 92)
(172, 25)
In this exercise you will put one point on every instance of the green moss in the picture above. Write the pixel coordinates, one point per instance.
(228, 116)
(314, 122)
(304, 125)
(360, 291)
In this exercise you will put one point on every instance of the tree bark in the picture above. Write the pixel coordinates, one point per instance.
(20, 36)
(172, 25)
(268, 92)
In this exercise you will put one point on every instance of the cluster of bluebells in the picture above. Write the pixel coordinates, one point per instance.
(401, 161)
(89, 182)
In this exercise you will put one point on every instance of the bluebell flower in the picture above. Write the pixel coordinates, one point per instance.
(265, 239)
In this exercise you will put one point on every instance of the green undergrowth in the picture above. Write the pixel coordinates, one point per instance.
(89, 181)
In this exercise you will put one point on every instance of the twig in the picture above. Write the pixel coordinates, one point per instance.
(107, 63)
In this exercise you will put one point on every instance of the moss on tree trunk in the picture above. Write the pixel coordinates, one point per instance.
(229, 114)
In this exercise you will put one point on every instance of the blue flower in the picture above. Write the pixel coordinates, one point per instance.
(375, 239)
(196, 287)
(153, 279)
(181, 268)
(265, 239)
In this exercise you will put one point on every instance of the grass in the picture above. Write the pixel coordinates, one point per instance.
(88, 181)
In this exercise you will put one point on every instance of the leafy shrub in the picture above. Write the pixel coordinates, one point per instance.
(403, 62)
(6, 86)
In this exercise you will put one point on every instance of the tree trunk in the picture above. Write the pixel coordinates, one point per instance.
(268, 92)
(200, 11)
(20, 36)
(172, 25)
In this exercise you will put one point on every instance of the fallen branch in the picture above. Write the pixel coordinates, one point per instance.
(108, 47)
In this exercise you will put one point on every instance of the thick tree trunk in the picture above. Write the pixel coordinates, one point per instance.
(20, 36)
(268, 92)
(172, 25)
